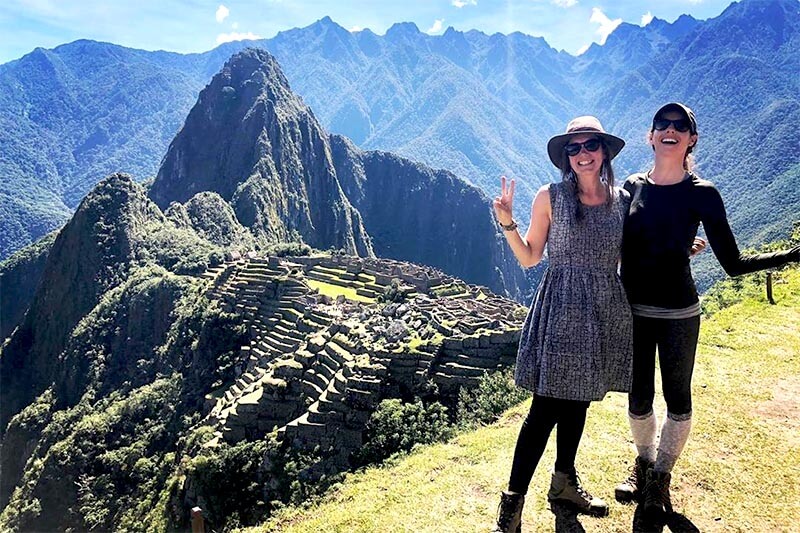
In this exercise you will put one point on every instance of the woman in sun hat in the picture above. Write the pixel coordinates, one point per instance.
(575, 345)
(668, 203)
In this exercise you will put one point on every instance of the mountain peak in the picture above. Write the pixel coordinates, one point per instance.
(254, 142)
(403, 29)
(328, 23)
(247, 95)
(252, 60)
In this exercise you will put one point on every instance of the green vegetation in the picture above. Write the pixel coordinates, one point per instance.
(494, 394)
(334, 291)
(451, 289)
(398, 427)
(19, 277)
(285, 249)
(138, 367)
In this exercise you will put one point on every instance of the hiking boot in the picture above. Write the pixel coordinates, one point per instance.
(565, 488)
(656, 494)
(509, 513)
(632, 488)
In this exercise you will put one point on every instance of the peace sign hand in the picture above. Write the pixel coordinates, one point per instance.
(503, 203)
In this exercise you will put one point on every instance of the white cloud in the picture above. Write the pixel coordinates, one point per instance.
(582, 49)
(235, 26)
(233, 36)
(606, 24)
(462, 3)
(222, 13)
(437, 26)
(564, 3)
(355, 29)
(646, 18)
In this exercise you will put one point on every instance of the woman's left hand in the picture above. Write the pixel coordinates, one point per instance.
(697, 246)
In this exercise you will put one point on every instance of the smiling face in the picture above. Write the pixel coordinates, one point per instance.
(586, 163)
(670, 142)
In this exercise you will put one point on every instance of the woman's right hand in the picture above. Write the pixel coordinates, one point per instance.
(503, 204)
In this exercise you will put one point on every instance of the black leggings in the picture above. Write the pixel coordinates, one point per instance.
(545, 413)
(676, 340)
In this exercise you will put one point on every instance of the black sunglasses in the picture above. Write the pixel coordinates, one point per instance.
(680, 124)
(573, 149)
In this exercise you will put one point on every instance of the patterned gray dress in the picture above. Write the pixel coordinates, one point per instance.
(577, 341)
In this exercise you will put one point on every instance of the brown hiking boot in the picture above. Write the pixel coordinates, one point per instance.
(565, 488)
(657, 501)
(509, 513)
(633, 488)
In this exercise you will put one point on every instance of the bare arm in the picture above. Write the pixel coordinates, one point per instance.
(527, 250)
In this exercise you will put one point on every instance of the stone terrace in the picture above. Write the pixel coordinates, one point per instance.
(323, 351)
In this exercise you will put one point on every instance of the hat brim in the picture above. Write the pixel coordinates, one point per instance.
(555, 146)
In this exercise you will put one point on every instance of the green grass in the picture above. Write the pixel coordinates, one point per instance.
(738, 472)
(329, 289)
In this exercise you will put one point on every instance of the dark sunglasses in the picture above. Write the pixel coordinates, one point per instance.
(573, 149)
(680, 124)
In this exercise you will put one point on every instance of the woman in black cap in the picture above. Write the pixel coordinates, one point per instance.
(575, 345)
(667, 204)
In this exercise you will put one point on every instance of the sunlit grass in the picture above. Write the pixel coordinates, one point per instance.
(329, 289)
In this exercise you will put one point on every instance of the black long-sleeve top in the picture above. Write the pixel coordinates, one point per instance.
(658, 235)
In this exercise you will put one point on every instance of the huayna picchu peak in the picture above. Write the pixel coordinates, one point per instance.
(255, 143)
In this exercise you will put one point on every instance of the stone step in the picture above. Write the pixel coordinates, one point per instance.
(249, 403)
(455, 369)
(313, 376)
(345, 343)
(339, 382)
(324, 415)
(485, 363)
(331, 361)
(310, 431)
(336, 351)
(332, 271)
(310, 388)
(442, 378)
(287, 313)
(287, 329)
(282, 347)
(364, 383)
(324, 370)
(361, 399)
(242, 384)
(294, 292)
(367, 293)
(332, 395)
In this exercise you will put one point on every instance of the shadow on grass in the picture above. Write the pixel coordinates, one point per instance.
(675, 522)
(566, 519)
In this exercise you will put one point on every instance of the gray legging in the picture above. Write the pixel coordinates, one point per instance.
(676, 340)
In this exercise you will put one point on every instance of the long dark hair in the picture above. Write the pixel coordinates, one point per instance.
(606, 176)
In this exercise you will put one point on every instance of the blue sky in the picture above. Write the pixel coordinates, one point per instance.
(199, 25)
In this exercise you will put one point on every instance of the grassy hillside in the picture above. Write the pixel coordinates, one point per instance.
(738, 473)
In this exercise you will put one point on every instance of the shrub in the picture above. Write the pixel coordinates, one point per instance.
(396, 427)
(284, 249)
(230, 483)
(484, 404)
